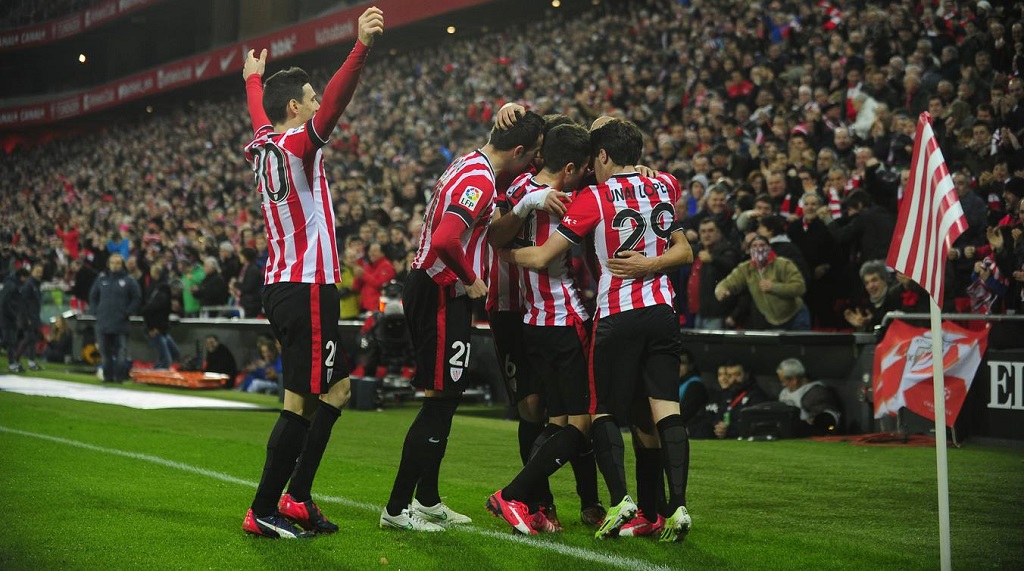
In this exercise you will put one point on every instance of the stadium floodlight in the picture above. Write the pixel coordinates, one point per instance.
(451, 29)
(81, 58)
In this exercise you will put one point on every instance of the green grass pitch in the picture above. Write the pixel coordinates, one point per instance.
(92, 486)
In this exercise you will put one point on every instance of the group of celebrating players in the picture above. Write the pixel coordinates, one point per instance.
(503, 223)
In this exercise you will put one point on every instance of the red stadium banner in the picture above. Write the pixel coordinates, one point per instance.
(903, 369)
(307, 36)
(65, 27)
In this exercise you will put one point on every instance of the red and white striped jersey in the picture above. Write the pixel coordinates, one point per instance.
(503, 290)
(550, 295)
(626, 212)
(465, 190)
(297, 208)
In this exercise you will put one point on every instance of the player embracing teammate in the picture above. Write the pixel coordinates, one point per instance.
(634, 358)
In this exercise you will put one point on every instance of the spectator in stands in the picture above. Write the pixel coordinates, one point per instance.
(866, 228)
(59, 342)
(774, 228)
(348, 296)
(370, 277)
(219, 359)
(775, 286)
(264, 374)
(988, 285)
(213, 291)
(156, 313)
(138, 272)
(191, 275)
(723, 412)
(716, 207)
(114, 297)
(230, 265)
(693, 394)
(82, 277)
(714, 259)
(820, 409)
(248, 284)
(870, 311)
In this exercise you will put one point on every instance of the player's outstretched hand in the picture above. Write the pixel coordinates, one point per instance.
(477, 290)
(630, 264)
(253, 64)
(508, 115)
(371, 25)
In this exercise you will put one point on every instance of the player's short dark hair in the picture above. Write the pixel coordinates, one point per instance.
(566, 144)
(525, 131)
(553, 120)
(622, 140)
(279, 89)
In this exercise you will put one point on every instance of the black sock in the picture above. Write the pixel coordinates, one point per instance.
(317, 437)
(556, 452)
(675, 453)
(610, 452)
(442, 412)
(283, 447)
(424, 447)
(649, 481)
(541, 492)
(529, 432)
(414, 456)
(585, 470)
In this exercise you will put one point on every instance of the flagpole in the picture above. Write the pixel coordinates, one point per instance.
(939, 386)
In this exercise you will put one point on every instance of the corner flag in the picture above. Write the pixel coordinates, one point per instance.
(930, 217)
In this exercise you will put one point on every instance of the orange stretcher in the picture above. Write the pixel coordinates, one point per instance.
(183, 379)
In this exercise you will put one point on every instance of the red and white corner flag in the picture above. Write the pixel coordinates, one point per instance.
(930, 217)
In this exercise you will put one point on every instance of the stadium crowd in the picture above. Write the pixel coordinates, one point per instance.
(793, 121)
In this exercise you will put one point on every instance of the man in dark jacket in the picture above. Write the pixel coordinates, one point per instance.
(10, 302)
(29, 323)
(714, 259)
(721, 416)
(156, 314)
(867, 228)
(213, 290)
(220, 359)
(113, 298)
(81, 283)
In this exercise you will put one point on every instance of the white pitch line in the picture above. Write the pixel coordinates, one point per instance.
(562, 549)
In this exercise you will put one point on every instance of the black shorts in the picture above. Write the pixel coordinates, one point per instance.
(559, 355)
(440, 327)
(304, 318)
(635, 355)
(510, 349)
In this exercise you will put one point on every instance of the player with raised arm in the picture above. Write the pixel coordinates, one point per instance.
(635, 351)
(291, 124)
(437, 301)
